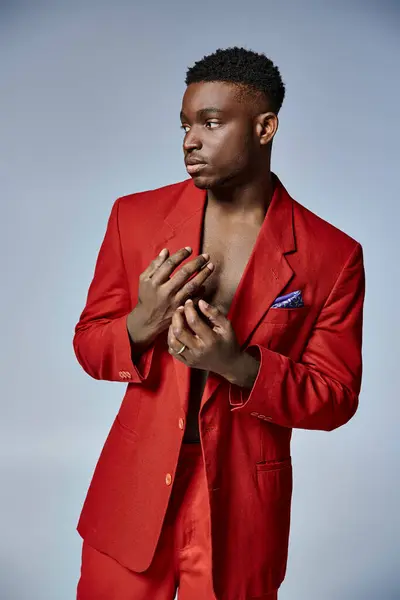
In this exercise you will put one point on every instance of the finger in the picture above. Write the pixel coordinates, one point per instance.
(173, 343)
(171, 337)
(196, 324)
(169, 265)
(174, 346)
(155, 264)
(180, 331)
(195, 285)
(217, 318)
(175, 283)
(199, 294)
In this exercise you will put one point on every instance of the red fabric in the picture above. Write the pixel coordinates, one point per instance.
(309, 377)
(321, 391)
(183, 555)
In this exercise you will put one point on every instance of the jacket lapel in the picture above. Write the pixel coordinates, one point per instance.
(266, 274)
(183, 227)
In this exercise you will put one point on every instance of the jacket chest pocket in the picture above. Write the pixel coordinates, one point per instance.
(280, 329)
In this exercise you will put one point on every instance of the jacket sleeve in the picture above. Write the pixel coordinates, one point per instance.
(101, 341)
(321, 391)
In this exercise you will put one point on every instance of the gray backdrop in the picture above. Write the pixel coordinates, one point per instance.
(90, 99)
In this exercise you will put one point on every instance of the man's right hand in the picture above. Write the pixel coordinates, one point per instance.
(160, 294)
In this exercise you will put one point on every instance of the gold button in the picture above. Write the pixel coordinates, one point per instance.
(168, 479)
(181, 423)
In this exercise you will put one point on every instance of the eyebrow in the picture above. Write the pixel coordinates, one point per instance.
(203, 112)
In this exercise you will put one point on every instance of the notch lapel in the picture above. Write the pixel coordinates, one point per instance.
(183, 227)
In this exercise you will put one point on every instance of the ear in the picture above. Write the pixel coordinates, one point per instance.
(266, 127)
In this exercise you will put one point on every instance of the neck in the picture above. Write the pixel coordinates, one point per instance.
(247, 201)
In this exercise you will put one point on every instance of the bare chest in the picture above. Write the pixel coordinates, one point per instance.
(229, 246)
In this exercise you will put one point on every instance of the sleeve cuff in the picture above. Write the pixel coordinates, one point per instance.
(127, 370)
(257, 397)
(239, 396)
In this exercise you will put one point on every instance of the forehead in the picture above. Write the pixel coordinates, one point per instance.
(219, 95)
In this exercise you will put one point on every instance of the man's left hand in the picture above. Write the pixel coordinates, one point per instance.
(211, 348)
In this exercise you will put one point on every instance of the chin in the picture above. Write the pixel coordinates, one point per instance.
(202, 182)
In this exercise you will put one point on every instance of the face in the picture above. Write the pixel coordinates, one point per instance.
(224, 134)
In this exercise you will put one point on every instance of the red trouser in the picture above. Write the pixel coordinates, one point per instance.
(182, 560)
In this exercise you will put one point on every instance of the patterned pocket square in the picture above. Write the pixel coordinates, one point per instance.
(292, 300)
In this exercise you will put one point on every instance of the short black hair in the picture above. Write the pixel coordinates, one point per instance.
(243, 67)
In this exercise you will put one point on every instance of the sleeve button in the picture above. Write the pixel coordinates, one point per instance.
(125, 374)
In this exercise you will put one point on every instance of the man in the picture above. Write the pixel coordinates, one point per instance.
(226, 345)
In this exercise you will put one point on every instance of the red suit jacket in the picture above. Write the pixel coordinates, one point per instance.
(309, 377)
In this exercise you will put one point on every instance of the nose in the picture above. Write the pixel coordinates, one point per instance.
(191, 141)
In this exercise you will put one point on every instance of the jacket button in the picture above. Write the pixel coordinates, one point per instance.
(121, 374)
(254, 414)
(168, 479)
(181, 423)
(261, 416)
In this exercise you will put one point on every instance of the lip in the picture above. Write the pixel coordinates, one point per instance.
(194, 168)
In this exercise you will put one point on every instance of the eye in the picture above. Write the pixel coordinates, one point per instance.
(184, 127)
(212, 123)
